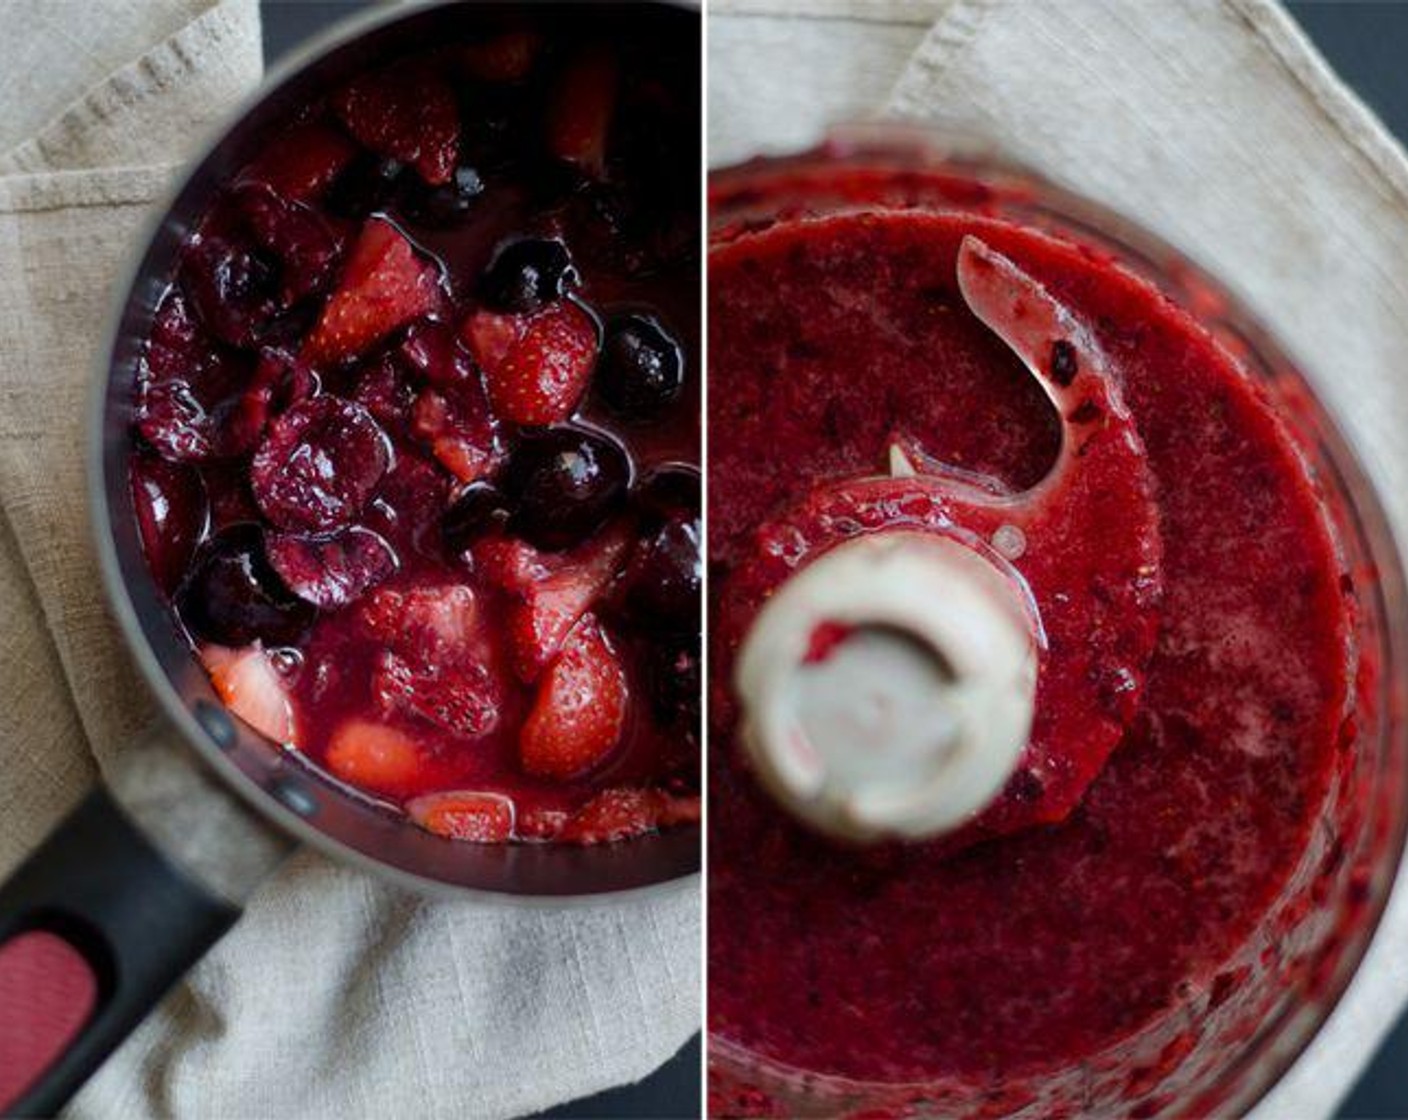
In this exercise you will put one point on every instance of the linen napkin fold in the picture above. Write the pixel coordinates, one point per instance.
(1213, 122)
(336, 994)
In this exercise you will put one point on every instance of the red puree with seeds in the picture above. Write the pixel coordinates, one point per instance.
(418, 438)
(1196, 681)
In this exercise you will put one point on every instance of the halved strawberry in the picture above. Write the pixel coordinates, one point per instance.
(680, 810)
(457, 425)
(462, 698)
(374, 756)
(491, 337)
(580, 709)
(407, 113)
(433, 623)
(481, 818)
(552, 605)
(300, 163)
(579, 120)
(504, 58)
(384, 284)
(536, 367)
(536, 823)
(615, 814)
(249, 685)
(510, 564)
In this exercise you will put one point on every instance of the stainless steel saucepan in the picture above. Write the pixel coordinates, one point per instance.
(153, 867)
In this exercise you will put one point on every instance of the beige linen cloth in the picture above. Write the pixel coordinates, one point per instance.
(1213, 122)
(336, 995)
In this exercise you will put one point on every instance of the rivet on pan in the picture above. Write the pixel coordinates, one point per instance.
(294, 796)
(217, 723)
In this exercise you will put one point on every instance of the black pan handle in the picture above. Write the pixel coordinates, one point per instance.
(96, 919)
(102, 919)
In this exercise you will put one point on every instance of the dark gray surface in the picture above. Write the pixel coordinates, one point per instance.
(1367, 42)
(287, 23)
(672, 1091)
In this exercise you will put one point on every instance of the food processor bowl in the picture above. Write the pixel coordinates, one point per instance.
(1218, 1046)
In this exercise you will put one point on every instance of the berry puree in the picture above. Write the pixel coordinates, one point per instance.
(417, 431)
(885, 353)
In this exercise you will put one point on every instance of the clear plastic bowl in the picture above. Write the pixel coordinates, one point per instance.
(1218, 1058)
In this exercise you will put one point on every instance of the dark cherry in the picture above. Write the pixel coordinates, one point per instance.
(383, 390)
(431, 349)
(233, 596)
(227, 484)
(172, 419)
(566, 483)
(445, 205)
(526, 274)
(318, 464)
(410, 501)
(661, 587)
(665, 490)
(488, 114)
(189, 389)
(662, 581)
(172, 514)
(552, 182)
(305, 245)
(331, 572)
(641, 369)
(176, 342)
(480, 508)
(365, 185)
(233, 287)
(279, 381)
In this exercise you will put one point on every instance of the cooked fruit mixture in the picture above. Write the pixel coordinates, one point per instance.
(417, 434)
(1111, 922)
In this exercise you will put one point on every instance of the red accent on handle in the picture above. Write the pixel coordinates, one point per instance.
(47, 993)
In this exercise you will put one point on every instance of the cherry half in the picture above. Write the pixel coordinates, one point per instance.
(319, 463)
(233, 597)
